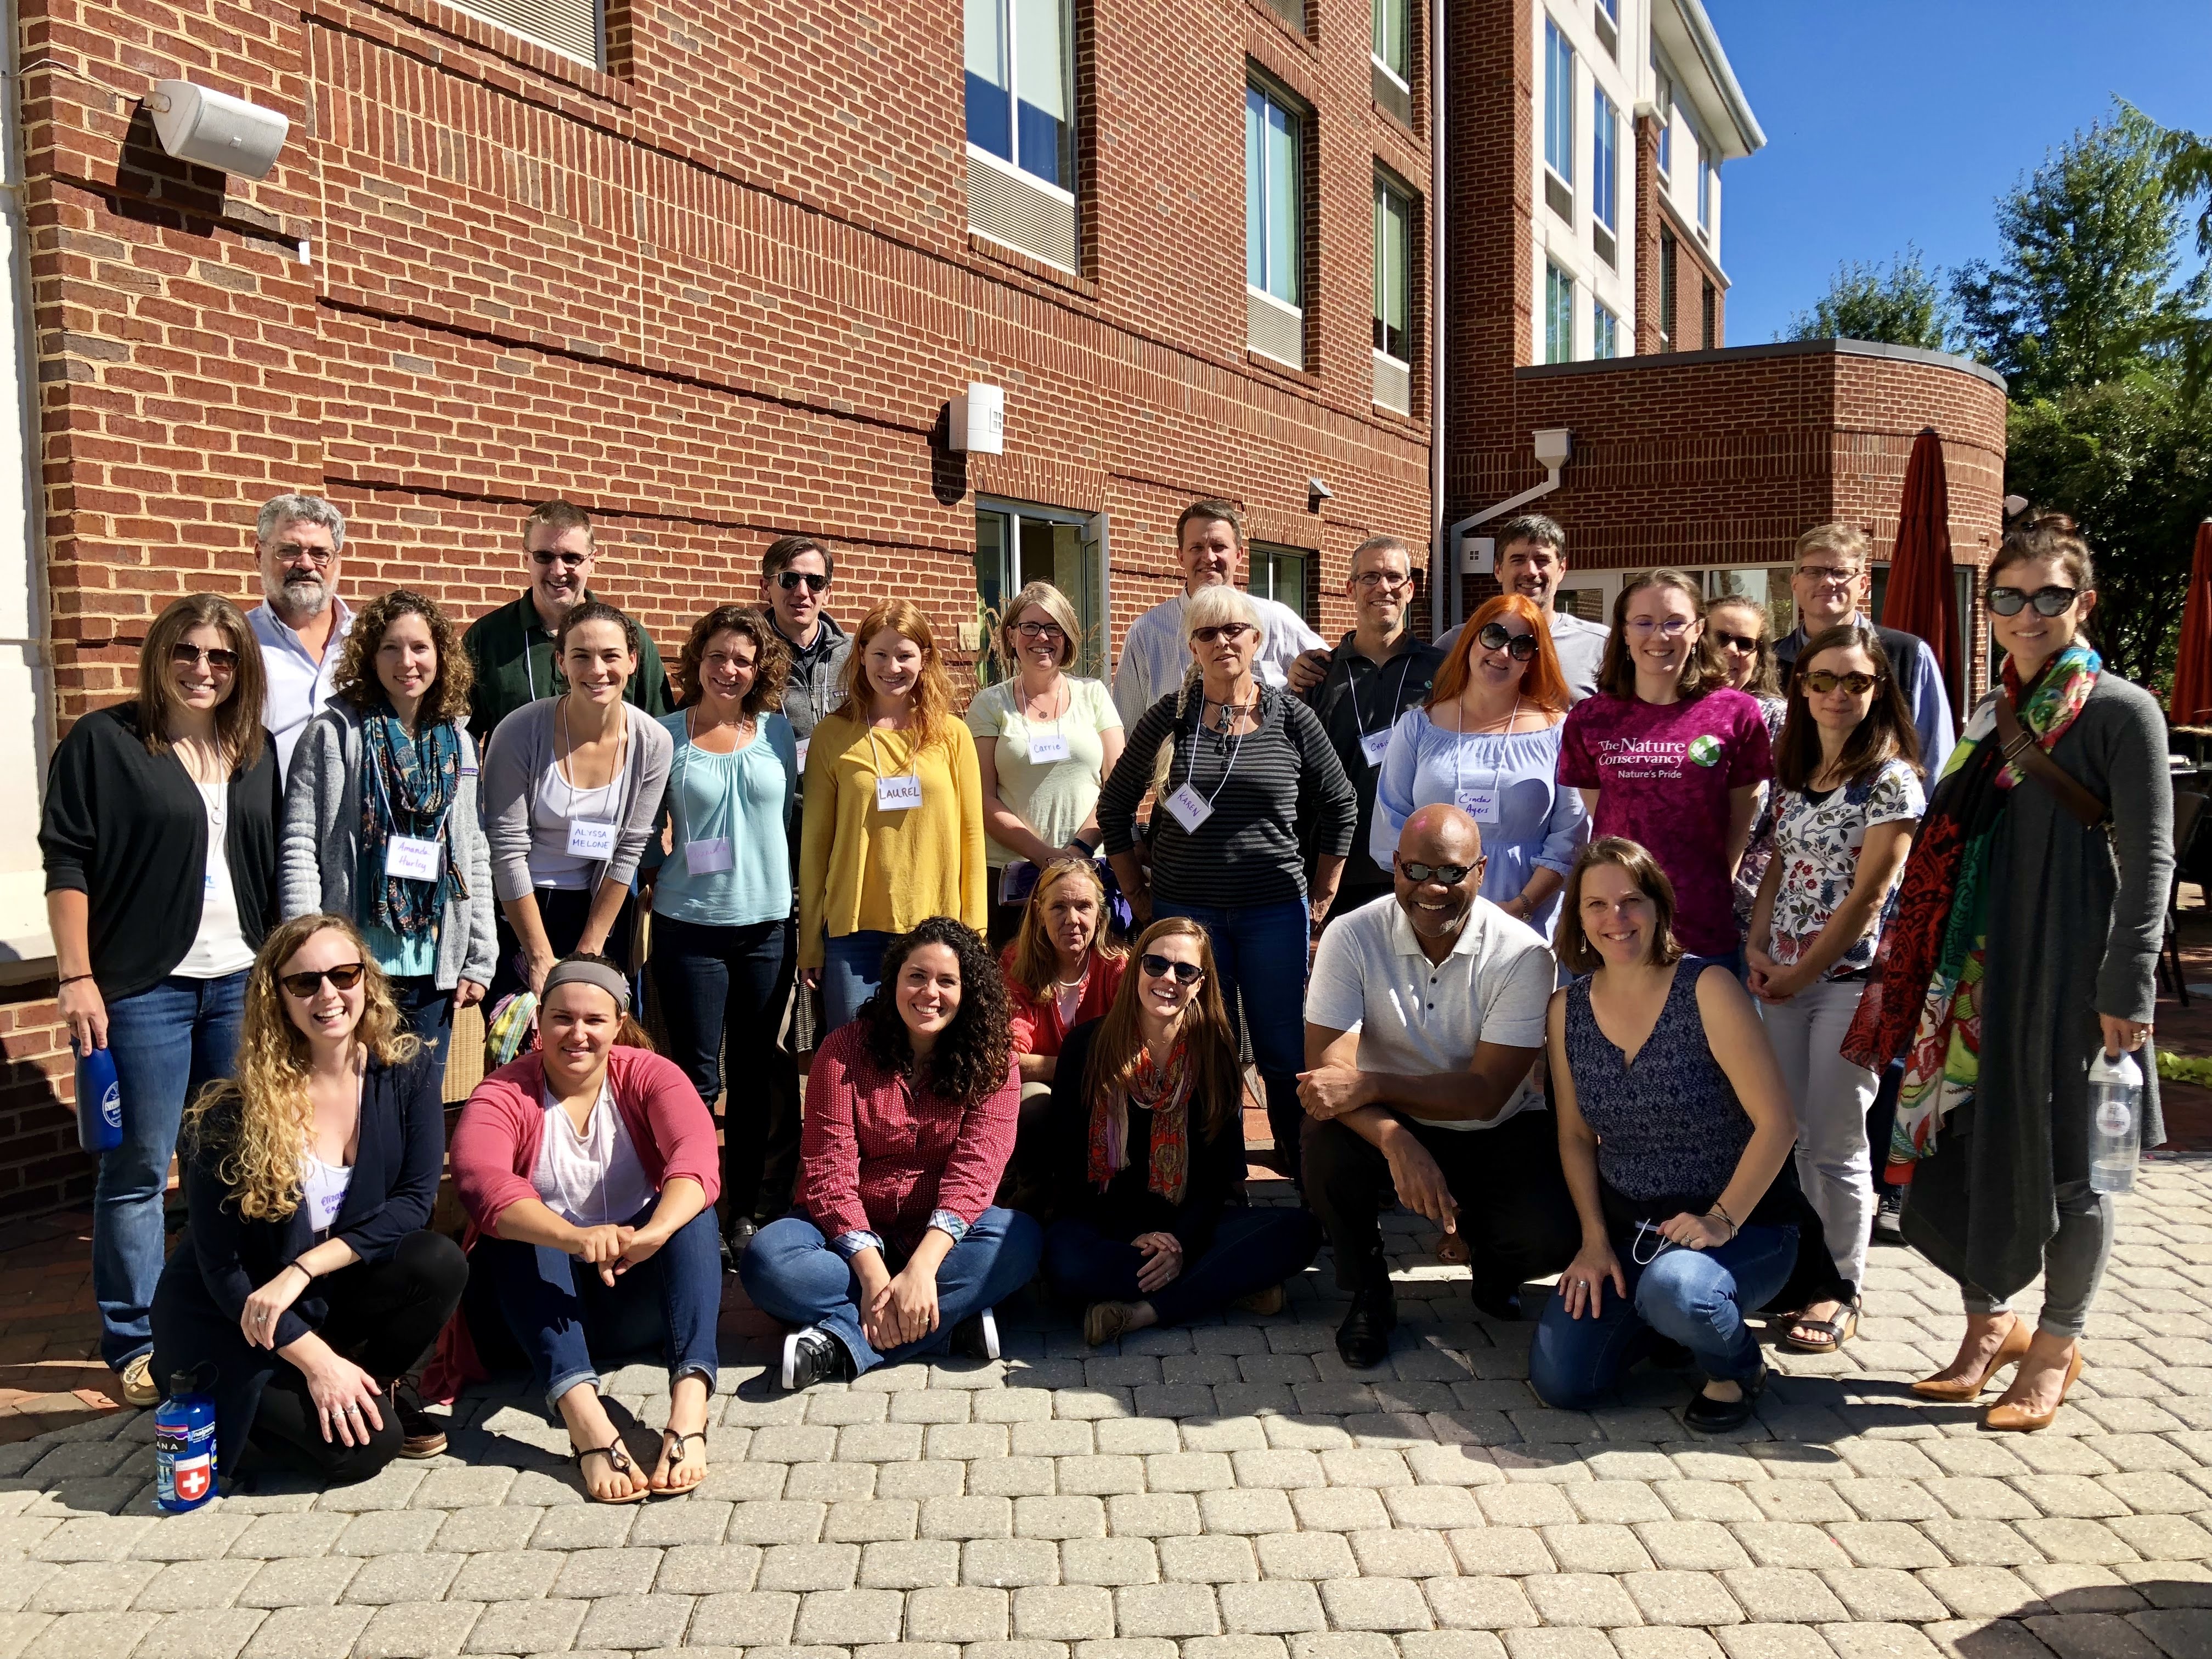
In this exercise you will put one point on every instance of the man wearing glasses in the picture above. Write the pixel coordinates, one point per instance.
(300, 621)
(1830, 584)
(1377, 672)
(796, 571)
(512, 648)
(1532, 557)
(1424, 1015)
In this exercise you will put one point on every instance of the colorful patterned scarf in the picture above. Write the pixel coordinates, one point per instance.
(1928, 974)
(1165, 1090)
(407, 788)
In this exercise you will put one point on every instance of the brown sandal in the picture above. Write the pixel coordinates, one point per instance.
(679, 1457)
(617, 1456)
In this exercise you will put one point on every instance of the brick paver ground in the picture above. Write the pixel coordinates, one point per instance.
(1230, 1491)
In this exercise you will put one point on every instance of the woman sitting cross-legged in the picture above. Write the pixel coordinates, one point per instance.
(893, 1248)
(1675, 1134)
(1147, 1108)
(589, 1171)
(306, 1279)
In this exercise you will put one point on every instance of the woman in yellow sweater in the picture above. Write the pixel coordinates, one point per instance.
(893, 828)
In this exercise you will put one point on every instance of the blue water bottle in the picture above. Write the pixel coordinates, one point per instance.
(98, 1101)
(184, 1445)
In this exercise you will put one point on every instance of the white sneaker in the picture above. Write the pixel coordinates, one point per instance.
(977, 1336)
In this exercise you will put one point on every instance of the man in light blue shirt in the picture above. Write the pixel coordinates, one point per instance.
(302, 621)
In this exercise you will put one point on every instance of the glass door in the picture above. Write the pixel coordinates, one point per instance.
(1016, 544)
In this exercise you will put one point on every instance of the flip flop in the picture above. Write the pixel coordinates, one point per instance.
(617, 1458)
(680, 1457)
(1846, 1314)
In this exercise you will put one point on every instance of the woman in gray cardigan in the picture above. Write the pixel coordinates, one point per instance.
(572, 788)
(2006, 1005)
(381, 819)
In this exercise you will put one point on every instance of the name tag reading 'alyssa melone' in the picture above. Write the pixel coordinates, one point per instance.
(709, 857)
(1189, 808)
(1047, 746)
(591, 838)
(1375, 746)
(899, 794)
(409, 858)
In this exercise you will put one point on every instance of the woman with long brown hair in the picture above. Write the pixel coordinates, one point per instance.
(159, 840)
(1147, 1106)
(892, 831)
(1487, 741)
(1740, 638)
(307, 1279)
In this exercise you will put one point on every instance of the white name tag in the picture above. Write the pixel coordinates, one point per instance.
(708, 858)
(1049, 748)
(803, 742)
(327, 1206)
(409, 858)
(1481, 804)
(589, 838)
(899, 794)
(1375, 746)
(1189, 808)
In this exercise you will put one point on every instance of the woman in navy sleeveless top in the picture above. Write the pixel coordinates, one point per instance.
(1674, 1123)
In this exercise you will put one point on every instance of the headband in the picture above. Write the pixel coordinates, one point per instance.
(599, 974)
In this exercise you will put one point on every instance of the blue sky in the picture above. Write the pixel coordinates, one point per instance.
(1897, 121)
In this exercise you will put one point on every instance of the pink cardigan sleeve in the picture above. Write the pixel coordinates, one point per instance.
(683, 1128)
(980, 1149)
(829, 1146)
(487, 1151)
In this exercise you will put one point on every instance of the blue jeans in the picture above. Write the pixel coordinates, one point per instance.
(1262, 948)
(852, 967)
(792, 1274)
(426, 1010)
(1695, 1297)
(168, 1040)
(1251, 1250)
(561, 1311)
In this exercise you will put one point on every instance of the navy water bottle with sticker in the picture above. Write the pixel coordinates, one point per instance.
(184, 1445)
(98, 1101)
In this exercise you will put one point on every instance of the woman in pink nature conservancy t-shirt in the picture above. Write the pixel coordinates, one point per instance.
(1666, 754)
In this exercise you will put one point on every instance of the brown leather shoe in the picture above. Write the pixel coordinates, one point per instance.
(2010, 1416)
(2010, 1351)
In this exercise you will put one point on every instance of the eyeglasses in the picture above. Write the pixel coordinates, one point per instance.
(546, 557)
(1669, 628)
(788, 579)
(1822, 681)
(2047, 601)
(219, 661)
(1827, 575)
(1495, 637)
(1743, 643)
(1228, 632)
(1450, 874)
(1371, 579)
(343, 977)
(1159, 966)
(1051, 631)
(293, 552)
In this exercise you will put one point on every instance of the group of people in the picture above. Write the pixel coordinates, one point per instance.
(1626, 954)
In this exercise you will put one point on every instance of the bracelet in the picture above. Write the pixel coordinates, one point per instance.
(1725, 1216)
(304, 1273)
(69, 979)
(1088, 849)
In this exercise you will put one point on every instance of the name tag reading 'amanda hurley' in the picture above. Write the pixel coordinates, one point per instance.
(410, 858)
(899, 794)
(591, 838)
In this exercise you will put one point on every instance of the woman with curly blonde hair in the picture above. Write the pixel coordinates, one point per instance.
(309, 1282)
(380, 812)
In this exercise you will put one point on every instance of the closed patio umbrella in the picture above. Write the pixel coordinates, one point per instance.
(2190, 703)
(1921, 597)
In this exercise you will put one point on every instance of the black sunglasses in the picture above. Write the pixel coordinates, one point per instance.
(1743, 643)
(546, 555)
(2047, 601)
(1158, 967)
(343, 977)
(1450, 874)
(1231, 632)
(788, 579)
(1495, 637)
(218, 660)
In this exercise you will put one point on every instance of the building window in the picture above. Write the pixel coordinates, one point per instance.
(1279, 574)
(1393, 54)
(1608, 26)
(574, 28)
(1021, 143)
(1663, 101)
(1708, 310)
(1558, 316)
(1273, 226)
(1605, 175)
(1667, 259)
(1394, 298)
(1708, 177)
(1605, 332)
(1016, 544)
(1559, 103)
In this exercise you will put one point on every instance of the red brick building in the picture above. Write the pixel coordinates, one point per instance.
(715, 268)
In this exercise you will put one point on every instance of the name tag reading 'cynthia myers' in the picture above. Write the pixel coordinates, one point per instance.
(899, 794)
(409, 858)
(1481, 804)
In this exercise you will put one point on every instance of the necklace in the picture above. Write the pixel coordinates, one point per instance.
(1230, 712)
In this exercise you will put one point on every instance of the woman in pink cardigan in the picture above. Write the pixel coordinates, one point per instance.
(893, 1248)
(589, 1171)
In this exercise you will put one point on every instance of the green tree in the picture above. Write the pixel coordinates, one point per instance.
(2188, 175)
(1901, 304)
(2086, 290)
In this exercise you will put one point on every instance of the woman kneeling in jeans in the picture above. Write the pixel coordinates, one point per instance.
(893, 1248)
(1674, 1126)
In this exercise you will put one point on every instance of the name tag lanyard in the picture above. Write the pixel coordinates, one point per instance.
(1190, 755)
(715, 855)
(561, 767)
(906, 791)
(1497, 770)
(436, 838)
(1360, 721)
(1055, 745)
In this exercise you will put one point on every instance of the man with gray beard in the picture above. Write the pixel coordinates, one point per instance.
(301, 621)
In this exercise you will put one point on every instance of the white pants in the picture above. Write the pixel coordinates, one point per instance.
(1831, 1097)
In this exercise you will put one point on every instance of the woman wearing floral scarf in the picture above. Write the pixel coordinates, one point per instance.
(2026, 940)
(1147, 1128)
(380, 813)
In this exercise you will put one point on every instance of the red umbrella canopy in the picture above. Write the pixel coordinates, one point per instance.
(1920, 597)
(2191, 701)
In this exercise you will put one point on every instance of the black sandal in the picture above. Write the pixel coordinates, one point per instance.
(678, 1460)
(1709, 1416)
(1847, 1314)
(618, 1461)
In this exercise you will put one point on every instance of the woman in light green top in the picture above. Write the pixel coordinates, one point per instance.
(1045, 742)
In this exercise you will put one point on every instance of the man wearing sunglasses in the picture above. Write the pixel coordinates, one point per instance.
(1210, 544)
(1532, 558)
(796, 572)
(300, 622)
(512, 648)
(1423, 1014)
(1377, 672)
(1833, 575)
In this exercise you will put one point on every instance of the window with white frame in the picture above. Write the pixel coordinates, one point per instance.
(1559, 103)
(1279, 574)
(1708, 176)
(574, 28)
(1021, 138)
(1559, 315)
(1392, 51)
(1663, 102)
(1605, 332)
(1393, 297)
(1605, 174)
(1274, 224)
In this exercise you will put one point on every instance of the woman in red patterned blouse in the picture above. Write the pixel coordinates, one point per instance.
(893, 1248)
